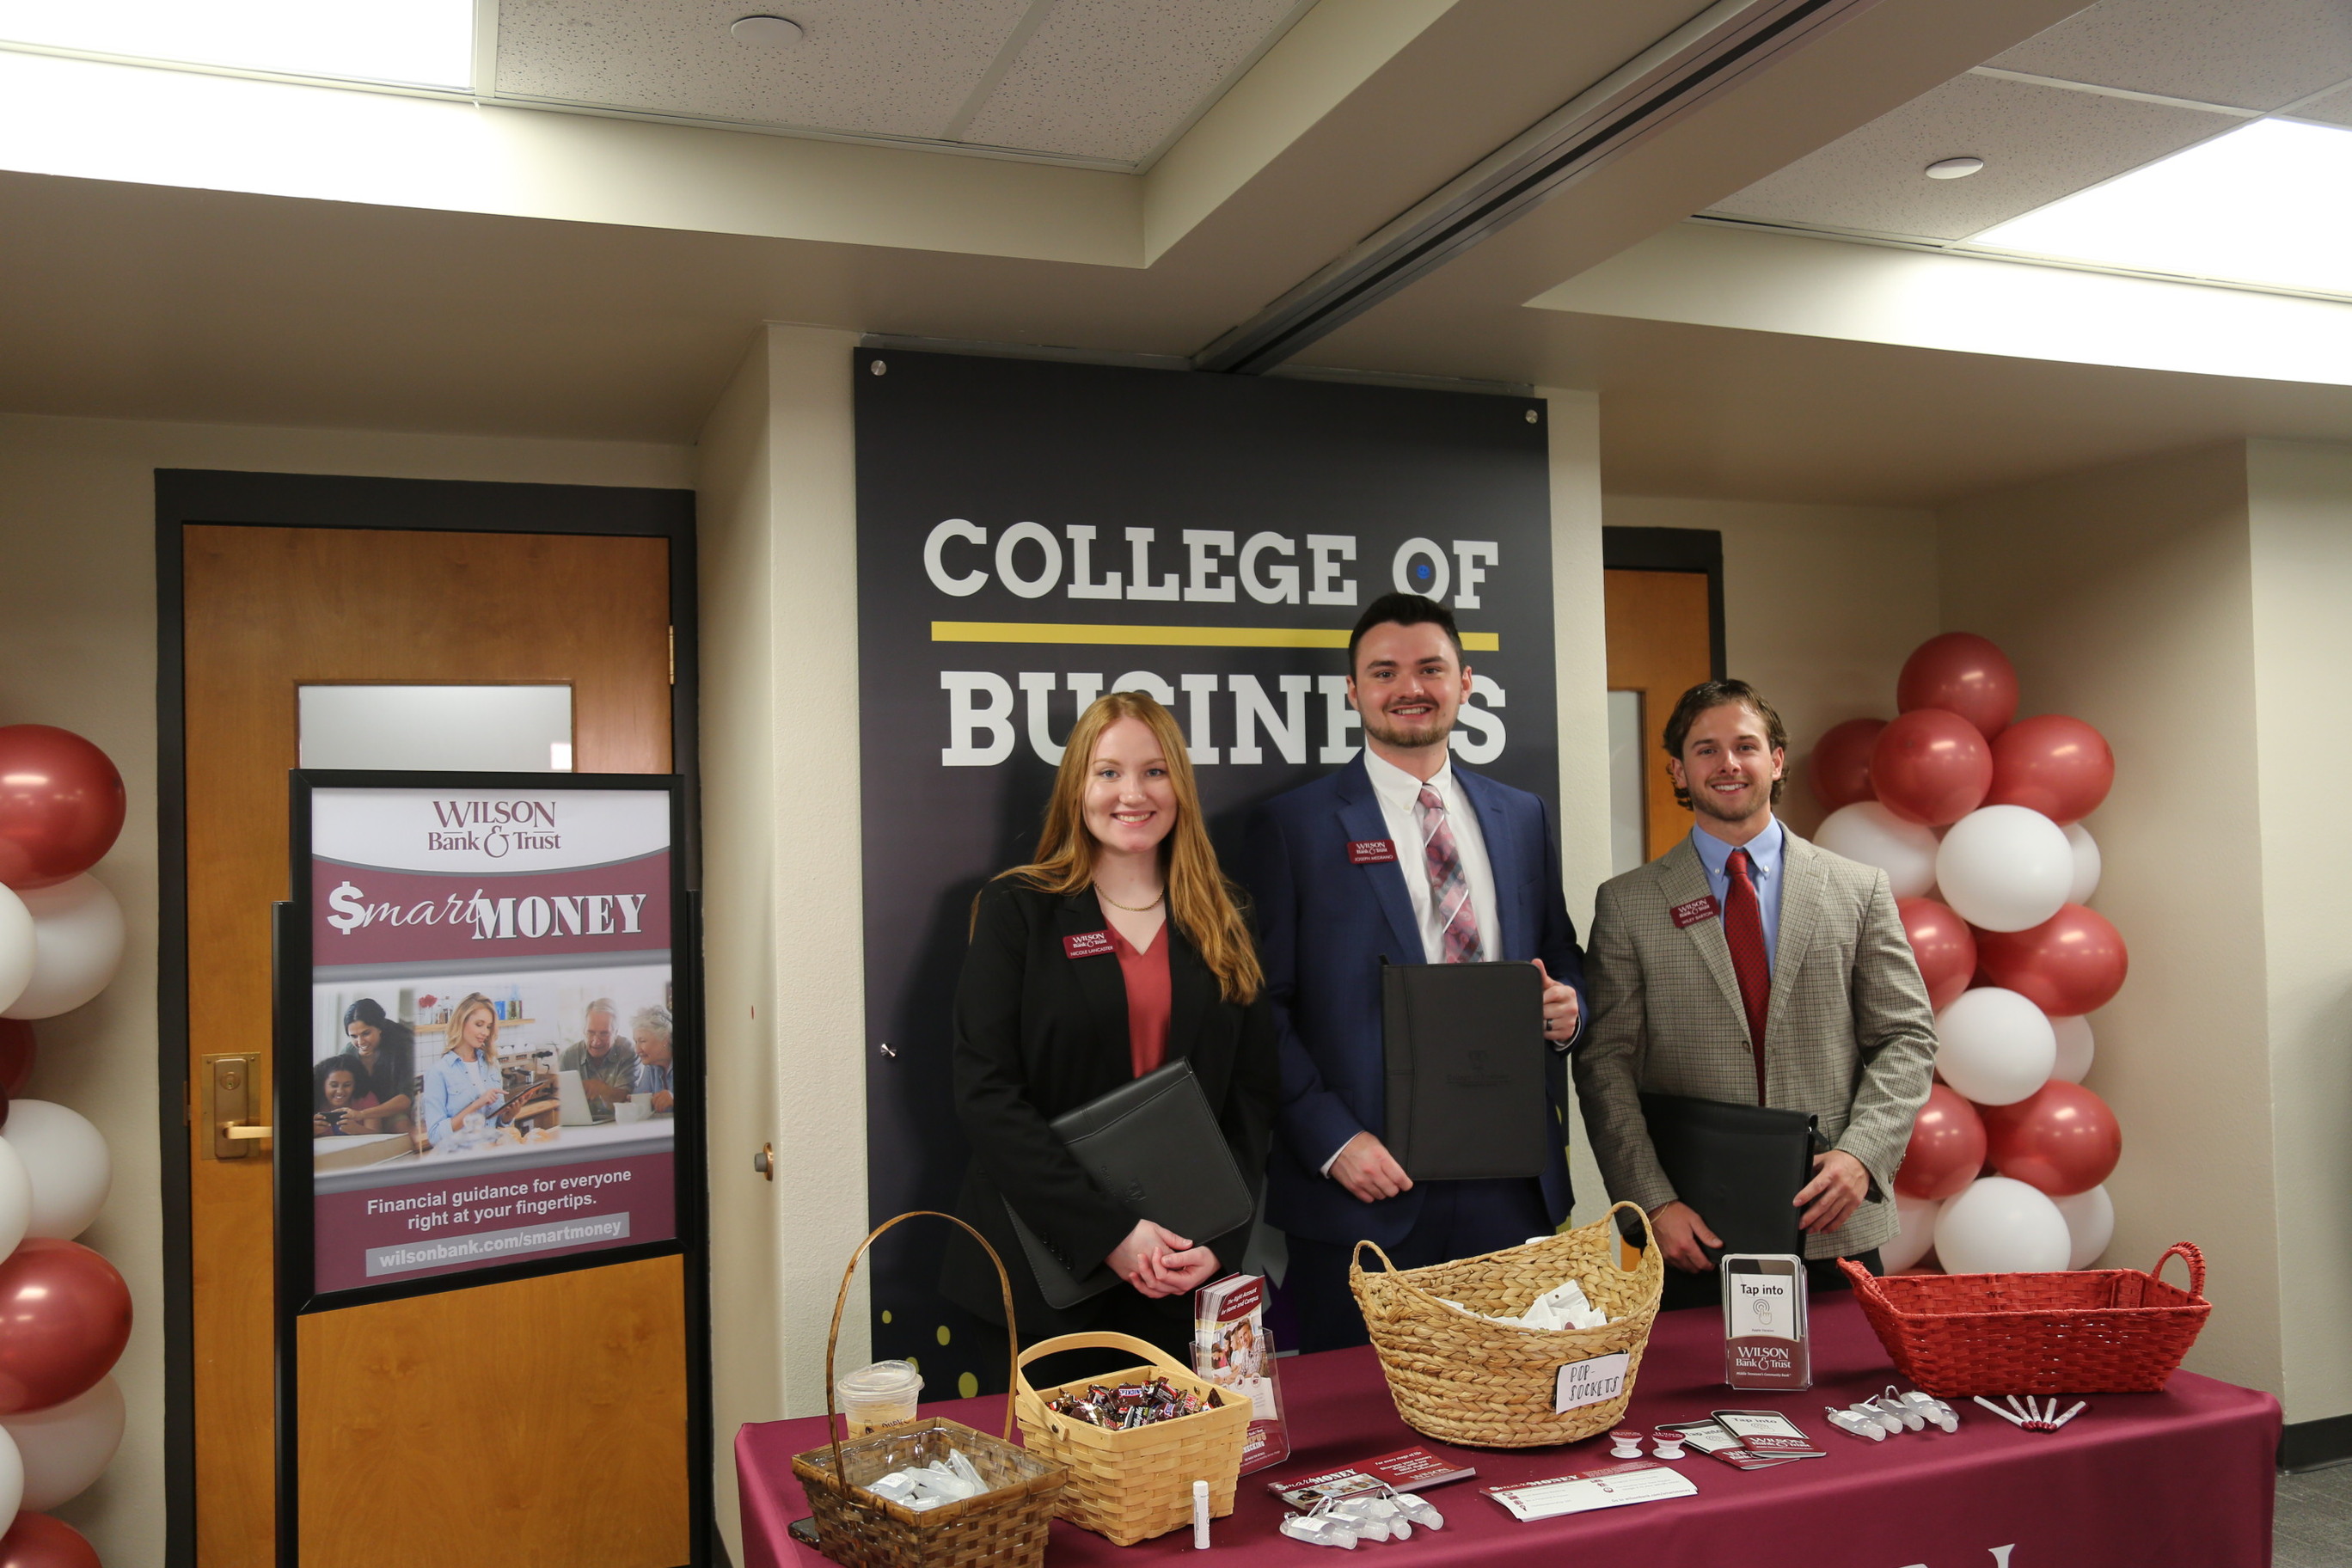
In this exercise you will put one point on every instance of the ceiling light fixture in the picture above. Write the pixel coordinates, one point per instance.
(2262, 203)
(769, 32)
(423, 43)
(1953, 168)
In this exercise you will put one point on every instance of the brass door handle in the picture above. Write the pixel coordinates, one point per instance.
(232, 1093)
(246, 1130)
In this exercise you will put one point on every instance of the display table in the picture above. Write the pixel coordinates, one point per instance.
(2134, 1479)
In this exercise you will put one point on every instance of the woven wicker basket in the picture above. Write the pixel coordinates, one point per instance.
(1462, 1379)
(1130, 1486)
(2092, 1331)
(1004, 1526)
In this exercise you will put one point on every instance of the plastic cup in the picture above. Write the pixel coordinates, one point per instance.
(880, 1395)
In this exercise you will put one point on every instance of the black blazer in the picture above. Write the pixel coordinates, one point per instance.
(1038, 1033)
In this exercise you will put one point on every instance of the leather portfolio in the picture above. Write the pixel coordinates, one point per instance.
(1153, 1145)
(1741, 1166)
(1466, 1059)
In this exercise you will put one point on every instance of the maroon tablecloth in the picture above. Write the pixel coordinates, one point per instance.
(2136, 1480)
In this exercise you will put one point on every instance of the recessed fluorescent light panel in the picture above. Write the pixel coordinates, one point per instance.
(415, 43)
(2263, 204)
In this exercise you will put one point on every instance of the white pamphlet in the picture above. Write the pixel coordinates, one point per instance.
(1612, 1486)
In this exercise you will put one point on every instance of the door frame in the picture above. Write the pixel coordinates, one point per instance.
(1695, 549)
(198, 496)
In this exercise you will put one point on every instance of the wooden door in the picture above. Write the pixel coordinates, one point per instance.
(591, 1468)
(1661, 644)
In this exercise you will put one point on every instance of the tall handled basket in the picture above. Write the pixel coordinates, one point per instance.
(1004, 1526)
(1460, 1378)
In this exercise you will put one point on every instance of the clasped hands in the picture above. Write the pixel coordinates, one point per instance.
(1159, 1262)
(1840, 1183)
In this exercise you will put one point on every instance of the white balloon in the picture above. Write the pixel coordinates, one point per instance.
(12, 1477)
(15, 1199)
(2073, 1036)
(65, 1160)
(1868, 832)
(16, 947)
(2001, 1226)
(67, 1446)
(1994, 1046)
(2090, 1226)
(1918, 1233)
(77, 944)
(2004, 867)
(2086, 863)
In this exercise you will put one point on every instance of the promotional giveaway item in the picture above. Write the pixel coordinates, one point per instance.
(1715, 1443)
(1765, 1339)
(1232, 1349)
(1135, 1440)
(1406, 1470)
(1769, 1433)
(1463, 1045)
(1612, 1486)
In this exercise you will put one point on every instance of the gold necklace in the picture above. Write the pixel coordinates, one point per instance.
(1132, 909)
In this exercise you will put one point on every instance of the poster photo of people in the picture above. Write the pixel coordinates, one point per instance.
(494, 1033)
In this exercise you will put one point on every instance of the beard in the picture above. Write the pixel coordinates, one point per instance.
(1407, 735)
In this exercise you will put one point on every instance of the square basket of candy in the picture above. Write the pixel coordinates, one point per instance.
(1135, 1441)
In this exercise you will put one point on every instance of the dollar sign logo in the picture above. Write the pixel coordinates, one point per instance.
(350, 913)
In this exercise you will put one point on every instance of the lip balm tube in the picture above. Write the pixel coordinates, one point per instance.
(1200, 1516)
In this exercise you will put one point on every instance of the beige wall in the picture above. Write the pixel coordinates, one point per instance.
(1821, 605)
(2126, 597)
(78, 650)
(2300, 515)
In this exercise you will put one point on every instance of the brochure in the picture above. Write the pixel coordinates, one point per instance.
(1406, 1470)
(1717, 1443)
(1232, 1349)
(1612, 1486)
(1769, 1433)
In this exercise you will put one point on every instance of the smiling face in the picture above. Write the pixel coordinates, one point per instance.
(599, 1036)
(474, 1034)
(339, 1088)
(1728, 765)
(1130, 803)
(653, 1048)
(1409, 683)
(364, 1038)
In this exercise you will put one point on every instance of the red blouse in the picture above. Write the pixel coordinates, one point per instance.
(1146, 974)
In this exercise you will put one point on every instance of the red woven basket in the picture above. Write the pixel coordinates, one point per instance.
(2098, 1330)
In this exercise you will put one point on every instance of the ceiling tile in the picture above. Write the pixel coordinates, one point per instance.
(2254, 54)
(2335, 108)
(886, 67)
(2038, 143)
(1114, 78)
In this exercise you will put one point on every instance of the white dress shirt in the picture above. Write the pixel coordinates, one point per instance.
(1399, 792)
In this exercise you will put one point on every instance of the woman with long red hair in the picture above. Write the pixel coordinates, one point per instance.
(1163, 967)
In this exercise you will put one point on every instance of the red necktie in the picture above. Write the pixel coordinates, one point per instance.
(1743, 929)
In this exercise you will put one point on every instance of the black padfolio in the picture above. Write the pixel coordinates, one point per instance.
(1464, 1051)
(1152, 1144)
(1739, 1166)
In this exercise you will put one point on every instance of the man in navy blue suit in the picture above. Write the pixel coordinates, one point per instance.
(1401, 857)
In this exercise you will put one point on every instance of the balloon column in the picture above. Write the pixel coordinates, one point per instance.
(1974, 815)
(65, 1312)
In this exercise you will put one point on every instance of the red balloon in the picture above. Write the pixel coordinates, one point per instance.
(65, 1316)
(1841, 762)
(2072, 963)
(1948, 1147)
(1961, 673)
(61, 804)
(16, 1055)
(37, 1540)
(2062, 1138)
(1931, 766)
(2058, 766)
(1945, 947)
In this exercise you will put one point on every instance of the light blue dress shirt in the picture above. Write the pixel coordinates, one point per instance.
(1764, 857)
(652, 1079)
(451, 1084)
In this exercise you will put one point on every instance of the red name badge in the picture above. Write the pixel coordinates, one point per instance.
(1691, 913)
(1088, 944)
(1372, 852)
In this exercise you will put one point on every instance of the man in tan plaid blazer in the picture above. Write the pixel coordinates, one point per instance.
(1848, 1033)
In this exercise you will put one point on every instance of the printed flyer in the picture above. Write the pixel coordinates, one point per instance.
(493, 1028)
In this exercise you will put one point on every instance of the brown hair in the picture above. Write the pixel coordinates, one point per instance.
(1709, 694)
(1201, 901)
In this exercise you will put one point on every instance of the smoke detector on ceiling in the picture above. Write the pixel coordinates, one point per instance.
(1942, 169)
(769, 32)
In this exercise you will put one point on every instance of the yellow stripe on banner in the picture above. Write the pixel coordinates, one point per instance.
(1167, 636)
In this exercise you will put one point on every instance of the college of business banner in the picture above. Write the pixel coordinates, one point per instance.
(491, 1023)
(1032, 535)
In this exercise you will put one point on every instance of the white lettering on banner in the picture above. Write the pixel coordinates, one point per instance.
(1251, 709)
(1490, 725)
(1204, 581)
(1325, 551)
(1009, 541)
(1198, 689)
(935, 567)
(1280, 584)
(592, 914)
(1401, 569)
(1467, 571)
(1339, 717)
(1082, 545)
(966, 715)
(1139, 540)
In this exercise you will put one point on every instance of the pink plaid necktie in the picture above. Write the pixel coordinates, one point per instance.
(1449, 889)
